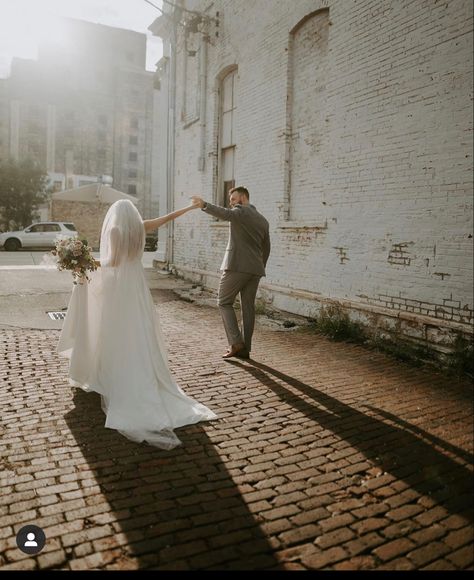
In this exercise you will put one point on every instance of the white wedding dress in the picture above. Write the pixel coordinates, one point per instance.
(112, 336)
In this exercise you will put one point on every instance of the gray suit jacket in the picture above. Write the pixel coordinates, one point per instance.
(249, 238)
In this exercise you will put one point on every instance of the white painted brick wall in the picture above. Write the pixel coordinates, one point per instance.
(397, 191)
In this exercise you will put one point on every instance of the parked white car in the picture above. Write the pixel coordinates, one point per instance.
(40, 235)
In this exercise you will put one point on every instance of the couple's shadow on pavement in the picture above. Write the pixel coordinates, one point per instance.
(427, 464)
(171, 510)
(181, 509)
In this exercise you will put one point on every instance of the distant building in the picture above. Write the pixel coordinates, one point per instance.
(86, 207)
(351, 125)
(84, 111)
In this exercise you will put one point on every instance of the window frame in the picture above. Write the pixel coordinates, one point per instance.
(223, 185)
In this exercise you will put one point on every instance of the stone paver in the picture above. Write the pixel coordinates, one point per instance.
(325, 456)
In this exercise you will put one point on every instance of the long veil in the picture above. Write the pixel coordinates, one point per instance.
(123, 236)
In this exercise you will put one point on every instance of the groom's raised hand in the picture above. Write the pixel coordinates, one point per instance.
(197, 201)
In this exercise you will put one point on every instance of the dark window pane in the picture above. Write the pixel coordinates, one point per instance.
(51, 228)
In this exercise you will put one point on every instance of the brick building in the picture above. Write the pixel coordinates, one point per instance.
(86, 207)
(351, 125)
(84, 110)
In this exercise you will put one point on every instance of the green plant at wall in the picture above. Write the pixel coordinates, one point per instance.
(461, 359)
(334, 322)
(404, 351)
(260, 307)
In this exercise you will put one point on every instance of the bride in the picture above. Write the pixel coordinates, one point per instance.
(114, 342)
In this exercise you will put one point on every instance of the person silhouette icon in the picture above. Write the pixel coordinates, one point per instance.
(31, 539)
(31, 543)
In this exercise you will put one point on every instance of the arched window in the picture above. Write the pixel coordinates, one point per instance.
(308, 149)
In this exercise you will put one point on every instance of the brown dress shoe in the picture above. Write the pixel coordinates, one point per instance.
(244, 353)
(234, 349)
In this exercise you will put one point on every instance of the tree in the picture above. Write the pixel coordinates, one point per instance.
(23, 188)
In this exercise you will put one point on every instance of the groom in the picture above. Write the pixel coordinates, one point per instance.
(243, 265)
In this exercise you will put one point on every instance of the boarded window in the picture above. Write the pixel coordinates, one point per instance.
(308, 142)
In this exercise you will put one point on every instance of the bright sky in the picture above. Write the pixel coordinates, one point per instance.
(23, 23)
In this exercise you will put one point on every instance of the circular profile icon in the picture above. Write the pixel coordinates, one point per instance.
(30, 539)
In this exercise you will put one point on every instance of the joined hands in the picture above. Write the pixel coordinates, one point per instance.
(197, 202)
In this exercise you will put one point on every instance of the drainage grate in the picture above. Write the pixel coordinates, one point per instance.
(57, 315)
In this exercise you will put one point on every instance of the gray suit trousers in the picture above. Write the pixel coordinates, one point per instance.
(231, 284)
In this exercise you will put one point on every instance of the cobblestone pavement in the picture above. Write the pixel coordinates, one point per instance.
(325, 456)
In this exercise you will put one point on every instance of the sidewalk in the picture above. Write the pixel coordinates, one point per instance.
(325, 456)
(25, 258)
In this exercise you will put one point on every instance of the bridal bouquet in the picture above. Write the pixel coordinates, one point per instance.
(74, 255)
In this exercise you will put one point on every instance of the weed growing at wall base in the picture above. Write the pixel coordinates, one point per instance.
(335, 323)
(404, 351)
(461, 360)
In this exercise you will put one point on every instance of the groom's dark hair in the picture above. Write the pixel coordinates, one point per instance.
(242, 190)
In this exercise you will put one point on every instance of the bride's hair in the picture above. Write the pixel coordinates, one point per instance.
(123, 234)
